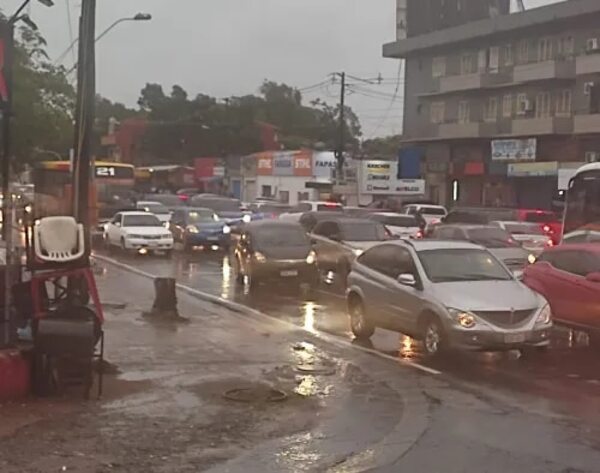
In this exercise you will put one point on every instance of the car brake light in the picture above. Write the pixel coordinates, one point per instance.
(419, 235)
(184, 197)
(331, 204)
(549, 243)
(546, 228)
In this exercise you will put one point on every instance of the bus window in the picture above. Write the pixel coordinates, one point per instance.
(583, 203)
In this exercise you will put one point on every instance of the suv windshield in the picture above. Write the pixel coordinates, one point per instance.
(491, 237)
(141, 221)
(279, 236)
(541, 217)
(196, 216)
(219, 205)
(154, 208)
(397, 221)
(523, 229)
(363, 231)
(451, 265)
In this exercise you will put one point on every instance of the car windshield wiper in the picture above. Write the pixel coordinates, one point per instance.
(485, 277)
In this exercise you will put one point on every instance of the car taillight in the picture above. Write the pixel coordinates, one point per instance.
(435, 220)
(184, 198)
(546, 228)
(419, 235)
(549, 243)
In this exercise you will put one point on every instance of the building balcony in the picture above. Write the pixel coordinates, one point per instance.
(560, 69)
(589, 64)
(479, 80)
(584, 124)
(542, 126)
(467, 130)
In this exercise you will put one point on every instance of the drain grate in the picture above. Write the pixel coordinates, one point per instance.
(255, 395)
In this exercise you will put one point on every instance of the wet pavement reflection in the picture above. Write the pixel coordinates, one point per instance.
(570, 370)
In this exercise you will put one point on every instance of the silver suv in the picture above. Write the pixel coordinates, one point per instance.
(447, 294)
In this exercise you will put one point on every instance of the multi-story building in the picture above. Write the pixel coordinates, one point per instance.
(503, 105)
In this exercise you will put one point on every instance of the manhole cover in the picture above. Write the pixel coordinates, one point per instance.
(255, 394)
(311, 369)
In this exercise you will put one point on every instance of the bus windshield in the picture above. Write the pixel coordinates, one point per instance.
(583, 203)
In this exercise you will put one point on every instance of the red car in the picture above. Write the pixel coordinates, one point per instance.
(548, 221)
(568, 276)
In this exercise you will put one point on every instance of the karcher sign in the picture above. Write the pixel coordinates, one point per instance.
(381, 178)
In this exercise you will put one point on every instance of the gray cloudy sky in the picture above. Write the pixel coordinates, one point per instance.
(227, 47)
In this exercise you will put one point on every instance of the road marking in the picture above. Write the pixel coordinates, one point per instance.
(243, 309)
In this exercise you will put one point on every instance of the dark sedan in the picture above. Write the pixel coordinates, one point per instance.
(199, 227)
(274, 251)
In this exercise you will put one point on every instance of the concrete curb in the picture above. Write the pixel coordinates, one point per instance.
(389, 450)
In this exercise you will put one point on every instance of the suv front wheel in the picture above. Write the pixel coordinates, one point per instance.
(361, 327)
(433, 336)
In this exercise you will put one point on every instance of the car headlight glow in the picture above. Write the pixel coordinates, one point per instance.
(531, 258)
(544, 316)
(247, 218)
(357, 252)
(259, 257)
(192, 229)
(226, 229)
(464, 319)
(311, 258)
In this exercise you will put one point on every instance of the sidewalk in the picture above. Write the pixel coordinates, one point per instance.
(167, 412)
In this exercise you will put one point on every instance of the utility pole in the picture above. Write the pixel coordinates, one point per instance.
(84, 117)
(342, 129)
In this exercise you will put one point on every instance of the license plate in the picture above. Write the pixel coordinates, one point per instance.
(213, 238)
(289, 274)
(515, 338)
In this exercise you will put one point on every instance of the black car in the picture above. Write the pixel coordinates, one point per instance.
(309, 220)
(170, 201)
(274, 251)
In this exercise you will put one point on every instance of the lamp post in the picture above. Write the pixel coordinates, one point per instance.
(136, 17)
(6, 48)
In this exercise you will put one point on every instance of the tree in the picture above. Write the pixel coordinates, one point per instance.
(385, 147)
(43, 103)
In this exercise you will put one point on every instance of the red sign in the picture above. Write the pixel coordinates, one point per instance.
(204, 167)
(303, 164)
(264, 164)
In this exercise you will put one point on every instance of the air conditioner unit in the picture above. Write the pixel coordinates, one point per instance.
(587, 88)
(592, 45)
(592, 157)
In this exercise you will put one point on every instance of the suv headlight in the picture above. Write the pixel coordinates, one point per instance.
(544, 316)
(311, 258)
(247, 218)
(259, 257)
(463, 318)
(192, 229)
(226, 229)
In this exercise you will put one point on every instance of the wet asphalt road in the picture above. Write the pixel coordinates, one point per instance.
(566, 379)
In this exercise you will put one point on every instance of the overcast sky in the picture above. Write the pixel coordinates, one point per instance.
(227, 47)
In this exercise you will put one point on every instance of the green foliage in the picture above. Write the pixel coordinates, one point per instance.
(386, 147)
(43, 103)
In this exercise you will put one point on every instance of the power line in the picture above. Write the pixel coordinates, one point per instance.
(70, 22)
(395, 96)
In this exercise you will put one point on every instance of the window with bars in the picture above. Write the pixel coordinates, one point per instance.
(468, 64)
(490, 111)
(566, 46)
(524, 52)
(438, 67)
(508, 55)
(507, 106)
(464, 112)
(545, 49)
(563, 103)
(543, 105)
(437, 112)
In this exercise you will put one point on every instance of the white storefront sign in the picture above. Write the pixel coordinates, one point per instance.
(514, 150)
(380, 178)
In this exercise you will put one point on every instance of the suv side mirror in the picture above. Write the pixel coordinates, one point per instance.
(407, 279)
(593, 277)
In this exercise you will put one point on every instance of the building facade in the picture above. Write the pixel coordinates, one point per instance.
(505, 106)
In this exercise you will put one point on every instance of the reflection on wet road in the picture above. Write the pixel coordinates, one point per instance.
(569, 372)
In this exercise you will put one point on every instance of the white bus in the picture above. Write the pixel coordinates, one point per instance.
(582, 211)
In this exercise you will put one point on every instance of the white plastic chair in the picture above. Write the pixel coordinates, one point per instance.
(58, 239)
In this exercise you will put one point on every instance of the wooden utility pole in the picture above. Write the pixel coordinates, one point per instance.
(342, 129)
(84, 116)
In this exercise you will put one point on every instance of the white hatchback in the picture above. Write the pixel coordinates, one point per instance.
(141, 232)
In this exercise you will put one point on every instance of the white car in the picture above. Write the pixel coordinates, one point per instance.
(529, 235)
(156, 208)
(138, 231)
(310, 206)
(399, 225)
(431, 213)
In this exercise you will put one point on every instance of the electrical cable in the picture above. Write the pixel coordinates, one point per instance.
(395, 96)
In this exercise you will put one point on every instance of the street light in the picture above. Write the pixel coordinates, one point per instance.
(15, 17)
(137, 17)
